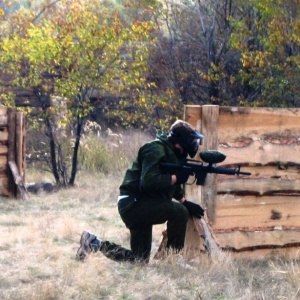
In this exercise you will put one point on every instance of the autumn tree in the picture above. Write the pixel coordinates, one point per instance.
(147, 106)
(267, 39)
(229, 52)
(66, 52)
(193, 55)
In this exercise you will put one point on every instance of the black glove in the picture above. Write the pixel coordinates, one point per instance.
(194, 209)
(182, 177)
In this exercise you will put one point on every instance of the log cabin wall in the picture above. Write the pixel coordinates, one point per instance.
(259, 214)
(12, 152)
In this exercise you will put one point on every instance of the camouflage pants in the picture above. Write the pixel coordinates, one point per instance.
(139, 217)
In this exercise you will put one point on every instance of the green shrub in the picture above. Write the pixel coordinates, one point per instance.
(103, 152)
(110, 154)
(96, 156)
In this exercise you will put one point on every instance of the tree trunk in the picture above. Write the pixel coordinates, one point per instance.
(75, 152)
(52, 146)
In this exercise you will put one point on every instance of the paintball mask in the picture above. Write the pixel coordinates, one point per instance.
(190, 142)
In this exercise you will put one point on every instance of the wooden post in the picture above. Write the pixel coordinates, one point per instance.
(205, 119)
(198, 235)
(11, 127)
(192, 115)
(209, 128)
(20, 151)
(194, 244)
(16, 154)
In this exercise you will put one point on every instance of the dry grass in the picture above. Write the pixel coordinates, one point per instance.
(39, 239)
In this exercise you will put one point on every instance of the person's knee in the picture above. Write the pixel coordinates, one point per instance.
(183, 212)
(180, 213)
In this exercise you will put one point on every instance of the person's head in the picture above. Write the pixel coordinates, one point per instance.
(183, 134)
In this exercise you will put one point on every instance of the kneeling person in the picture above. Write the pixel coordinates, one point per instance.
(146, 195)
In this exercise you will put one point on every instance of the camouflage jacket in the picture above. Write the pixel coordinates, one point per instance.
(145, 180)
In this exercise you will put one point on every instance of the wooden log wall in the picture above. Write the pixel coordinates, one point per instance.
(255, 215)
(12, 152)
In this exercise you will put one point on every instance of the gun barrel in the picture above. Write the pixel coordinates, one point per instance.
(244, 173)
(229, 171)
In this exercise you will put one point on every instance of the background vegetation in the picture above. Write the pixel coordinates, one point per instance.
(134, 64)
(40, 237)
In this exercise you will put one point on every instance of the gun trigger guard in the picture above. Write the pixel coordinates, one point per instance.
(190, 183)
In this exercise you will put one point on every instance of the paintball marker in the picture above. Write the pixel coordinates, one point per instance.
(199, 170)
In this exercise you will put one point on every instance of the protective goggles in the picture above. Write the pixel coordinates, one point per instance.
(191, 143)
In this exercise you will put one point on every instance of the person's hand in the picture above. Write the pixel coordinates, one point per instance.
(194, 209)
(182, 177)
